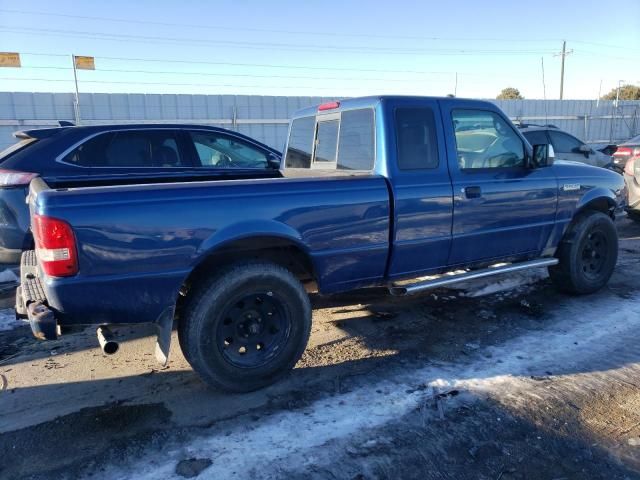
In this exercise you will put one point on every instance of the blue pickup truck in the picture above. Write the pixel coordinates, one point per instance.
(377, 191)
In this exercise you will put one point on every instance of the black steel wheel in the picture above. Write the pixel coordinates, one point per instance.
(587, 254)
(246, 327)
(594, 254)
(254, 329)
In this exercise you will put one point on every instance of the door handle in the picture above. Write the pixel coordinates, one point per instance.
(472, 192)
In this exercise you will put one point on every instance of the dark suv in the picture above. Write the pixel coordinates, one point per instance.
(118, 154)
(565, 145)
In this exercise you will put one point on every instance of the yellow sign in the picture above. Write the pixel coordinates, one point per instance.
(10, 59)
(84, 63)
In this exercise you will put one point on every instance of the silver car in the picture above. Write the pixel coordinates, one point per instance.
(628, 155)
(565, 145)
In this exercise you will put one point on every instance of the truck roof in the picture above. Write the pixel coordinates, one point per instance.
(371, 101)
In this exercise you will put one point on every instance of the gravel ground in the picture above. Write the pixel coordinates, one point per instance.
(467, 383)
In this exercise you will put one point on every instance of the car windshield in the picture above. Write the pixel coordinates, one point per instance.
(634, 140)
(7, 152)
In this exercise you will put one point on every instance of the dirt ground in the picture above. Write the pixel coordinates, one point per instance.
(526, 383)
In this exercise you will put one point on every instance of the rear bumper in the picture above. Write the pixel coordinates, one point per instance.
(31, 301)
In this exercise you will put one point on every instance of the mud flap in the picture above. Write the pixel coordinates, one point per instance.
(163, 340)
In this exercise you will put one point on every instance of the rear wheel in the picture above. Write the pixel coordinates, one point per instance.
(587, 255)
(246, 327)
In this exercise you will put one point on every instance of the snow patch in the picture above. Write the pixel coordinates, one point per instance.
(515, 281)
(8, 320)
(8, 276)
(239, 448)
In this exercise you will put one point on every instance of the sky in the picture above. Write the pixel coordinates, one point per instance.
(329, 48)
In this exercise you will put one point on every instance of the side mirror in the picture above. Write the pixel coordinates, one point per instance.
(273, 161)
(586, 149)
(543, 155)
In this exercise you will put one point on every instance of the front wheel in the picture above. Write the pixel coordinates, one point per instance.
(246, 327)
(587, 255)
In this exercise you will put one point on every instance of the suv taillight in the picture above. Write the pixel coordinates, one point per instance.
(13, 178)
(55, 246)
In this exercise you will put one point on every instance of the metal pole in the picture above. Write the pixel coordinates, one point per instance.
(455, 88)
(76, 102)
(618, 92)
(564, 49)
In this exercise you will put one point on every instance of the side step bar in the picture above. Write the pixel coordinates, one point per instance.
(411, 288)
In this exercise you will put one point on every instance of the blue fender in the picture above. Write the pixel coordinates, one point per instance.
(594, 194)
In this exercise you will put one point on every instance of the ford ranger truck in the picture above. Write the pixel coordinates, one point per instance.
(376, 191)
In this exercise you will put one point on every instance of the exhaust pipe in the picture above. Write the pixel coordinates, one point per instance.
(107, 341)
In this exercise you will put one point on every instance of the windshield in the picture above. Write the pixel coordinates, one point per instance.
(7, 152)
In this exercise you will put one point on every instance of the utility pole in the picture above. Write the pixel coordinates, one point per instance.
(76, 102)
(563, 54)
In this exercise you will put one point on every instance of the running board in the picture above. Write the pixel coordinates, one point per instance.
(411, 288)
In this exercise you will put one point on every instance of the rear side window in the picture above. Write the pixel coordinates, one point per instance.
(90, 153)
(563, 143)
(300, 146)
(416, 138)
(343, 141)
(536, 137)
(134, 148)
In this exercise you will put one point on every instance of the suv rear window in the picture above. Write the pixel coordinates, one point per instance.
(15, 148)
(343, 141)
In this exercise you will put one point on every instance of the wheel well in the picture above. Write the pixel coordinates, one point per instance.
(277, 250)
(602, 204)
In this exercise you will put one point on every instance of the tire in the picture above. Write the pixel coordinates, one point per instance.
(635, 216)
(246, 327)
(587, 254)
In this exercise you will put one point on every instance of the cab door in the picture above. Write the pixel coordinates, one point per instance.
(421, 187)
(502, 208)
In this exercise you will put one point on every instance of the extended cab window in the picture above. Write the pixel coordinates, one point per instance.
(416, 138)
(129, 148)
(221, 151)
(343, 141)
(356, 148)
(485, 140)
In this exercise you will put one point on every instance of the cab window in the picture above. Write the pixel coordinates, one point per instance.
(485, 140)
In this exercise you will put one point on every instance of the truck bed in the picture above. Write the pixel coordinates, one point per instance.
(138, 243)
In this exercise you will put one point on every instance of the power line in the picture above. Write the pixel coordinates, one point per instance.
(265, 65)
(115, 82)
(265, 45)
(264, 30)
(249, 75)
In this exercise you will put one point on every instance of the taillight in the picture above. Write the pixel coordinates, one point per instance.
(55, 246)
(13, 178)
